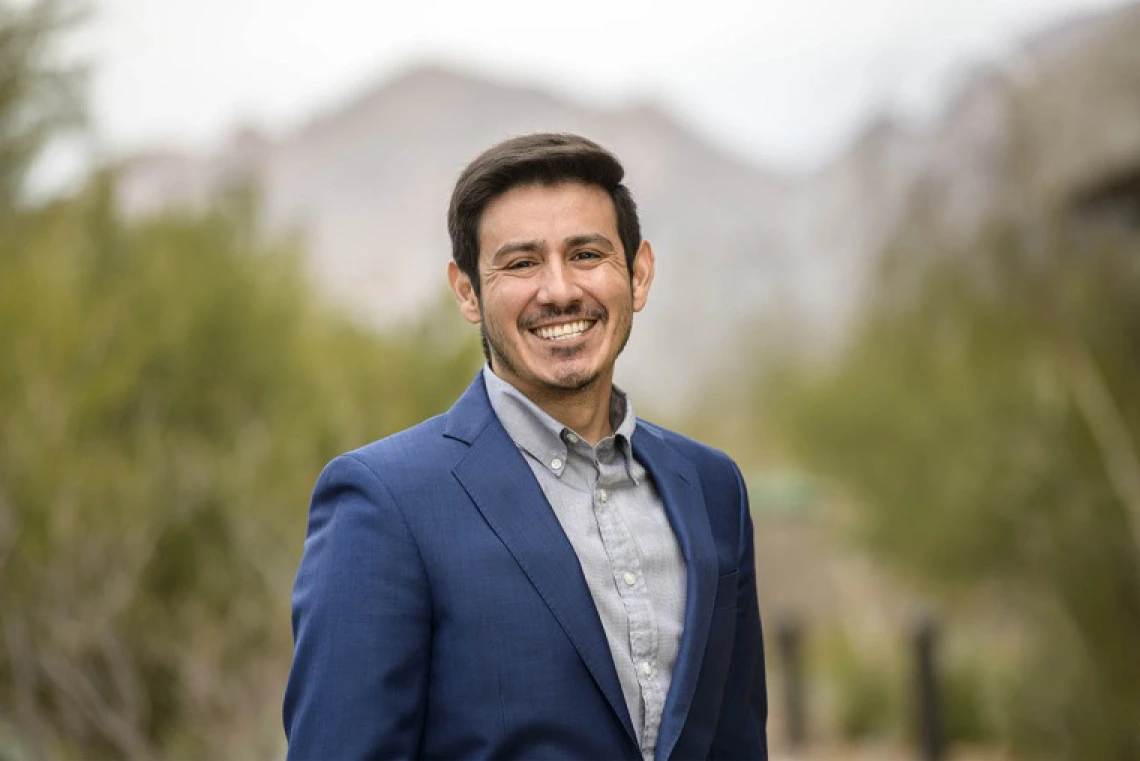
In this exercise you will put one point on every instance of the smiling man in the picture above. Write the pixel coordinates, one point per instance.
(536, 573)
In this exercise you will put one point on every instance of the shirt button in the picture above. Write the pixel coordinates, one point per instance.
(556, 463)
(646, 668)
(602, 496)
(571, 438)
(630, 579)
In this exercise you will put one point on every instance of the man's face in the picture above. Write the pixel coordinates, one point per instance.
(556, 300)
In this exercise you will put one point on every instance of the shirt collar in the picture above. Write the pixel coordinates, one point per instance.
(544, 438)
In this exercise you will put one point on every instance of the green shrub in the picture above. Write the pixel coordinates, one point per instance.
(861, 689)
(984, 425)
(168, 394)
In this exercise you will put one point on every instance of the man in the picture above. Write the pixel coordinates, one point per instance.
(535, 573)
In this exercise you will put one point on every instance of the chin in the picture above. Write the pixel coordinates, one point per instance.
(572, 379)
(574, 371)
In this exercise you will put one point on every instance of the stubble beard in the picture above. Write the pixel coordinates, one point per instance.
(570, 383)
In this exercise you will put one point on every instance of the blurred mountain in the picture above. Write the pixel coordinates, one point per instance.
(369, 183)
(1052, 125)
(737, 246)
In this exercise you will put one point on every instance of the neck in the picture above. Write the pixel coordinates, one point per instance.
(586, 410)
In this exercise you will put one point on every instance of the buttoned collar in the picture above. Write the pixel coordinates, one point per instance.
(548, 441)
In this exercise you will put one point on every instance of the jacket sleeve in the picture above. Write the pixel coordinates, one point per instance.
(741, 729)
(361, 625)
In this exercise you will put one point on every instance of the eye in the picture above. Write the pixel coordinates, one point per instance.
(587, 254)
(519, 264)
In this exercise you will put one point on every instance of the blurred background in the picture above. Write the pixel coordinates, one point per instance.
(899, 280)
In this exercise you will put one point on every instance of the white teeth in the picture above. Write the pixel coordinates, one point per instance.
(563, 331)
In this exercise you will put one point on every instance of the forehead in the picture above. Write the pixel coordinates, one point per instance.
(547, 212)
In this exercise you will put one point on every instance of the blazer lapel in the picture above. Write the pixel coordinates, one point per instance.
(679, 486)
(505, 491)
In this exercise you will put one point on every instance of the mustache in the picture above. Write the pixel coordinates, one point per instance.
(574, 312)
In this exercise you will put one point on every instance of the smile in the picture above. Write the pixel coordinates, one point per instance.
(565, 331)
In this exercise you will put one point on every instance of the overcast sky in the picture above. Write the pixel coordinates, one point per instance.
(781, 81)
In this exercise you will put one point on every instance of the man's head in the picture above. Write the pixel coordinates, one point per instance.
(548, 260)
(540, 159)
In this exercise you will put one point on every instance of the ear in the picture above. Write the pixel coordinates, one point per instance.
(464, 291)
(642, 275)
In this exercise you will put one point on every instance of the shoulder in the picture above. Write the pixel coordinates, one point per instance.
(723, 492)
(415, 453)
(709, 461)
(406, 443)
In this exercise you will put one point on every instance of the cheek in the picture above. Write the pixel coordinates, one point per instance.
(617, 293)
(503, 305)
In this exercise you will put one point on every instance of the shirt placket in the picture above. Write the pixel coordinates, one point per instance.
(611, 479)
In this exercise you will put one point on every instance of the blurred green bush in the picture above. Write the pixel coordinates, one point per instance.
(985, 421)
(169, 390)
(865, 691)
(861, 689)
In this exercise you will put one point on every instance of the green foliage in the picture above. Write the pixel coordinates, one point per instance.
(862, 689)
(1061, 707)
(869, 691)
(38, 96)
(972, 681)
(984, 420)
(169, 391)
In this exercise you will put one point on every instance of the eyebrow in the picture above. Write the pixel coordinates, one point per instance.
(592, 239)
(535, 246)
(513, 246)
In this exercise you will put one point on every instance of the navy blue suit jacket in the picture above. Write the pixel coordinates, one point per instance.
(440, 611)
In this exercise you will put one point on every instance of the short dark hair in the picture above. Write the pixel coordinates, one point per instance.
(539, 159)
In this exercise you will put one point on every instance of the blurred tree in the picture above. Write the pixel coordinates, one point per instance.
(983, 418)
(169, 390)
(38, 95)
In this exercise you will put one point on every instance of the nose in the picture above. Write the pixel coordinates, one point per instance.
(558, 286)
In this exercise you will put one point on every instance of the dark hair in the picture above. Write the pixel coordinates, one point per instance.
(539, 159)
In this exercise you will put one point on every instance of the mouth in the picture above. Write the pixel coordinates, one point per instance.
(563, 331)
